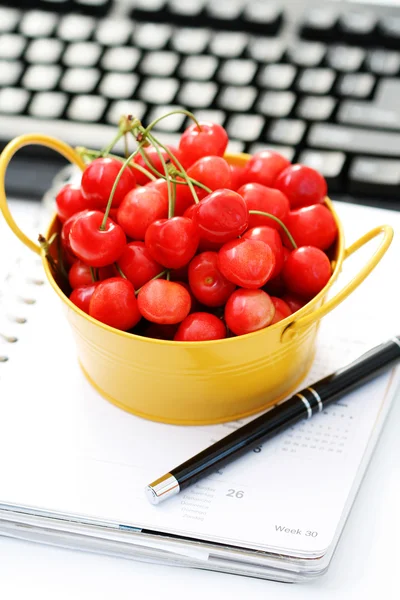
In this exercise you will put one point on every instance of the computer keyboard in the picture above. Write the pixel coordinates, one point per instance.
(318, 81)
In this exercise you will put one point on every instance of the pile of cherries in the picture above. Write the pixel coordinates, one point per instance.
(175, 243)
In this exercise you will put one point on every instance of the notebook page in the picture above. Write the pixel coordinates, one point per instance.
(66, 449)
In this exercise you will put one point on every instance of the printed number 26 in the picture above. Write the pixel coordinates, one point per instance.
(235, 494)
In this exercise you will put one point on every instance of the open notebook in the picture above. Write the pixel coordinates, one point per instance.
(73, 467)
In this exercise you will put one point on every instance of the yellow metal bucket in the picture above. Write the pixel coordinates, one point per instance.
(195, 383)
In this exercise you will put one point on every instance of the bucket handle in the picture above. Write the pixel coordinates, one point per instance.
(291, 330)
(12, 147)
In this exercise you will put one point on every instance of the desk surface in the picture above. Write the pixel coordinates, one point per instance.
(365, 565)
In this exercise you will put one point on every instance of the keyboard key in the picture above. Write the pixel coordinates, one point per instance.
(200, 67)
(239, 99)
(113, 32)
(387, 93)
(374, 176)
(228, 44)
(82, 54)
(213, 116)
(319, 23)
(80, 81)
(265, 17)
(354, 139)
(345, 58)
(190, 41)
(125, 107)
(49, 105)
(182, 10)
(13, 100)
(152, 36)
(11, 46)
(41, 77)
(316, 108)
(159, 63)
(266, 50)
(224, 12)
(383, 62)
(75, 28)
(368, 115)
(118, 85)
(286, 131)
(158, 91)
(276, 76)
(38, 23)
(9, 18)
(329, 164)
(86, 108)
(316, 81)
(276, 104)
(245, 127)
(45, 51)
(237, 71)
(197, 94)
(286, 151)
(356, 85)
(307, 54)
(121, 58)
(357, 25)
(171, 123)
(390, 30)
(235, 147)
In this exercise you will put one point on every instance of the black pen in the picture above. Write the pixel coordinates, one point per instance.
(302, 405)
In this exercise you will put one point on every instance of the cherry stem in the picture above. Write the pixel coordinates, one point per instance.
(183, 174)
(171, 205)
(174, 172)
(166, 272)
(180, 111)
(170, 186)
(93, 274)
(95, 154)
(285, 229)
(126, 145)
(120, 271)
(107, 149)
(114, 187)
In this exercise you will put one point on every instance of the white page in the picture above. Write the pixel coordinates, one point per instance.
(64, 448)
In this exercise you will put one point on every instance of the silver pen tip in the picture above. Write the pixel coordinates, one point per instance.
(162, 488)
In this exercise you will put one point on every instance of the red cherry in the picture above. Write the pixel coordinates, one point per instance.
(207, 139)
(172, 242)
(200, 326)
(92, 245)
(114, 303)
(66, 228)
(161, 186)
(306, 271)
(138, 265)
(69, 201)
(260, 197)
(206, 281)
(282, 310)
(154, 159)
(164, 302)
(213, 171)
(264, 167)
(221, 216)
(302, 185)
(82, 295)
(98, 179)
(248, 310)
(139, 209)
(80, 274)
(271, 237)
(294, 302)
(246, 262)
(312, 226)
(237, 177)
